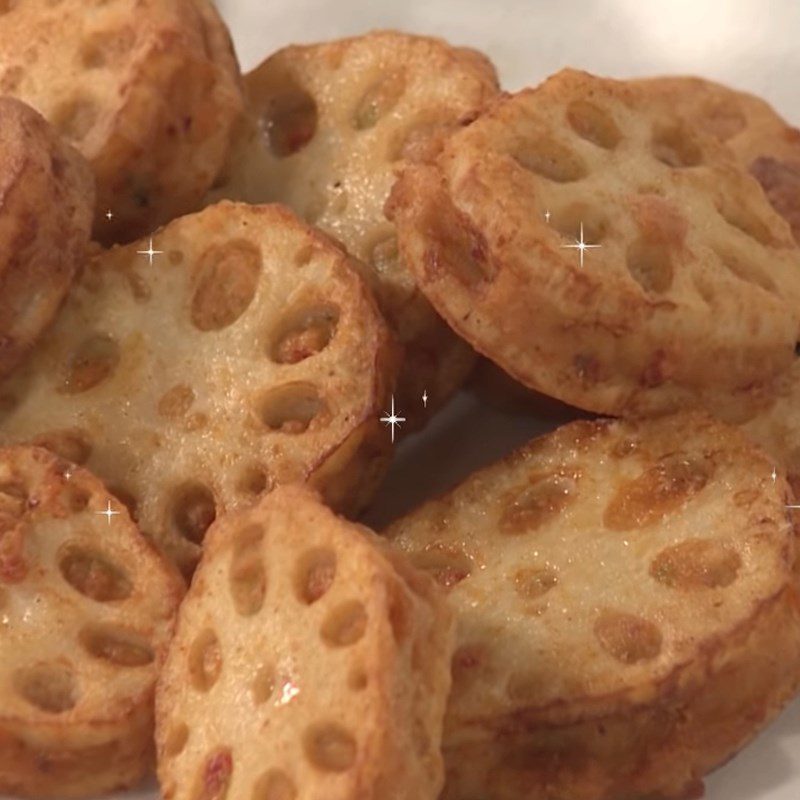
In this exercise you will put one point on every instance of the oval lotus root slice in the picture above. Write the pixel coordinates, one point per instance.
(46, 206)
(148, 90)
(760, 139)
(688, 293)
(309, 661)
(627, 605)
(332, 124)
(87, 608)
(249, 353)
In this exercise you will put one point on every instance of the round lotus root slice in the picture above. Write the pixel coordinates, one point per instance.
(762, 141)
(87, 608)
(310, 660)
(688, 293)
(46, 207)
(249, 353)
(627, 606)
(148, 90)
(332, 123)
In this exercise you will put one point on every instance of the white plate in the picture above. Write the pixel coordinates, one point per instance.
(750, 44)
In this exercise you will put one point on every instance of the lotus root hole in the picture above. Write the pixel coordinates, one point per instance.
(93, 361)
(176, 740)
(289, 120)
(462, 249)
(176, 402)
(675, 147)
(650, 265)
(75, 118)
(543, 498)
(253, 481)
(227, 279)
(357, 680)
(379, 99)
(345, 625)
(248, 575)
(594, 124)
(193, 510)
(71, 445)
(117, 646)
(399, 615)
(658, 491)
(627, 637)
(315, 574)
(303, 333)
(551, 160)
(77, 498)
(49, 687)
(263, 685)
(569, 220)
(292, 408)
(127, 498)
(205, 660)
(93, 575)
(448, 565)
(696, 564)
(104, 48)
(330, 747)
(214, 779)
(534, 582)
(274, 785)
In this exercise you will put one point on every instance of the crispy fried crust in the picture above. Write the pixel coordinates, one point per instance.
(777, 426)
(88, 607)
(249, 354)
(763, 142)
(332, 123)
(46, 206)
(628, 609)
(148, 90)
(692, 295)
(309, 661)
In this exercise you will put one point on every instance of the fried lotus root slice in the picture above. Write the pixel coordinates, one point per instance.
(88, 607)
(689, 295)
(760, 139)
(309, 661)
(148, 90)
(331, 125)
(626, 605)
(46, 206)
(249, 353)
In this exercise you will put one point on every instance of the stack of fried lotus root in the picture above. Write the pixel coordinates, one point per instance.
(612, 611)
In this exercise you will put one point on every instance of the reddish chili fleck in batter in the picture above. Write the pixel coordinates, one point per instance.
(217, 776)
(12, 557)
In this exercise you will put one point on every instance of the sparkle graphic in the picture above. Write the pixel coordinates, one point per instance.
(109, 215)
(789, 505)
(425, 398)
(149, 252)
(547, 217)
(108, 513)
(581, 246)
(774, 474)
(288, 692)
(392, 420)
